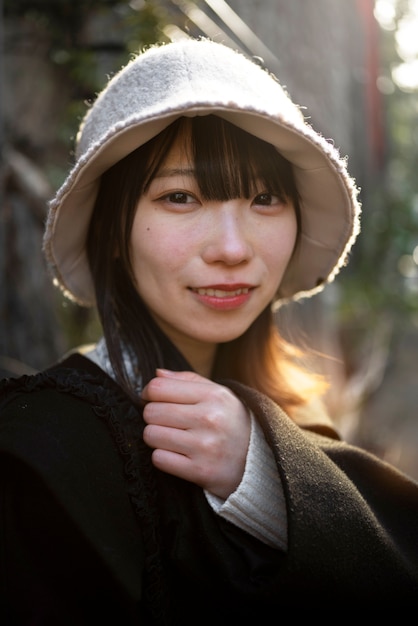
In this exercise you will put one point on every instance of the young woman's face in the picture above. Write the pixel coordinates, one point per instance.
(206, 269)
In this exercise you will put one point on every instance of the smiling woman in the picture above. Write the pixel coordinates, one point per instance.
(235, 231)
(183, 469)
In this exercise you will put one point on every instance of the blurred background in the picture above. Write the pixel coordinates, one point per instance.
(352, 64)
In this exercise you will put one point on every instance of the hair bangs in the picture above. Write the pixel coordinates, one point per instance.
(231, 163)
(227, 161)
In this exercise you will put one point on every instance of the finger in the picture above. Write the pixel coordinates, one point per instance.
(169, 414)
(183, 375)
(174, 389)
(183, 466)
(172, 463)
(169, 439)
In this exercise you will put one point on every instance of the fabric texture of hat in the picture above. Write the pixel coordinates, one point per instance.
(197, 77)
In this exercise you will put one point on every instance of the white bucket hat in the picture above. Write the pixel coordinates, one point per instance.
(198, 77)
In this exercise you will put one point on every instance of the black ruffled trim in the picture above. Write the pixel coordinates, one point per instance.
(125, 424)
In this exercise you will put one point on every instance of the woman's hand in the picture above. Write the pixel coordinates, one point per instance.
(199, 430)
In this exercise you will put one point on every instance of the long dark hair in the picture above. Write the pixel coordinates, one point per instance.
(227, 162)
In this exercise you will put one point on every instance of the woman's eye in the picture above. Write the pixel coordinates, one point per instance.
(267, 199)
(174, 199)
(179, 197)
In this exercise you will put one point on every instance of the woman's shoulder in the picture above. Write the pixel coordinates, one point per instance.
(67, 381)
(63, 443)
(62, 410)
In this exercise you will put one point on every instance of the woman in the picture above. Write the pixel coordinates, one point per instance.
(180, 470)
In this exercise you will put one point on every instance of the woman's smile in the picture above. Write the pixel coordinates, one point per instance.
(223, 297)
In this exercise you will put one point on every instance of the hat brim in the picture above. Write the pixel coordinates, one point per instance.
(328, 198)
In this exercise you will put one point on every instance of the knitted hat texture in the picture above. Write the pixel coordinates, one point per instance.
(199, 77)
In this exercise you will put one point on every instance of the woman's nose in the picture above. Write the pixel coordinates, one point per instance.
(227, 239)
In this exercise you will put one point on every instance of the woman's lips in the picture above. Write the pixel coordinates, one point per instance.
(221, 292)
(223, 297)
